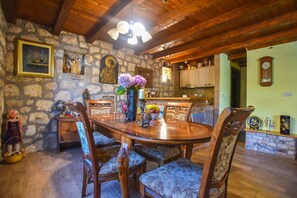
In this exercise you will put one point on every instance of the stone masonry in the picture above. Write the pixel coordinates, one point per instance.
(2, 72)
(272, 143)
(33, 97)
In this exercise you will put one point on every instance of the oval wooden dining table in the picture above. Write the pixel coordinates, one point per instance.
(162, 131)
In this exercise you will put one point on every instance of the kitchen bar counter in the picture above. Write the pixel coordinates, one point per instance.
(201, 112)
(168, 98)
(192, 99)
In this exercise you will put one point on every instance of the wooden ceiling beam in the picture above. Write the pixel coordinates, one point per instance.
(63, 14)
(237, 56)
(241, 32)
(267, 40)
(113, 12)
(9, 8)
(179, 14)
(228, 16)
(277, 42)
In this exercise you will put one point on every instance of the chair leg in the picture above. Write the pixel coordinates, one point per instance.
(85, 181)
(143, 168)
(226, 187)
(142, 193)
(97, 188)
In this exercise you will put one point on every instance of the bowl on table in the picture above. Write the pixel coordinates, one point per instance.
(155, 116)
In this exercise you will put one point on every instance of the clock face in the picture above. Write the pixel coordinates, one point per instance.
(266, 65)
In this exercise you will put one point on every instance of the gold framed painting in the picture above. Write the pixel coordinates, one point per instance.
(34, 59)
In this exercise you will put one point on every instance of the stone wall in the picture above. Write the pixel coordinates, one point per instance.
(33, 97)
(2, 72)
(270, 143)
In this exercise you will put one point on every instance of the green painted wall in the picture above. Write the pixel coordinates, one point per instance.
(269, 101)
(225, 83)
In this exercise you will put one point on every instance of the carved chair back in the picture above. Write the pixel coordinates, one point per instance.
(99, 164)
(85, 133)
(222, 145)
(178, 110)
(99, 106)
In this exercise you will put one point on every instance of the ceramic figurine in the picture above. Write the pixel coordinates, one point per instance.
(13, 136)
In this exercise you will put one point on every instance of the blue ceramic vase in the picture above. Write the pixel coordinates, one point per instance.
(132, 104)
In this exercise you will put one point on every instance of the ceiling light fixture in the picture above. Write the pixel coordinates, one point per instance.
(131, 31)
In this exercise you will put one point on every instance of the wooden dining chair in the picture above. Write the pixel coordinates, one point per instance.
(100, 165)
(94, 107)
(99, 107)
(183, 178)
(163, 154)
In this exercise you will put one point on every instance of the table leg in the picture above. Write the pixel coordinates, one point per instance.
(123, 165)
(189, 149)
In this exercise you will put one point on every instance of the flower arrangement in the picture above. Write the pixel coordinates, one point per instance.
(124, 107)
(128, 82)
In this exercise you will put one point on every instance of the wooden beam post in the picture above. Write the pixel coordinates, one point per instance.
(263, 40)
(63, 14)
(11, 9)
(233, 14)
(237, 56)
(248, 31)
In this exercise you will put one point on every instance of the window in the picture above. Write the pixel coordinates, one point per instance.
(166, 74)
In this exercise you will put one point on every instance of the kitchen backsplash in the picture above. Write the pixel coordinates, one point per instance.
(207, 93)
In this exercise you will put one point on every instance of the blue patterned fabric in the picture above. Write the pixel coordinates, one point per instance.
(108, 161)
(102, 140)
(180, 178)
(158, 151)
(83, 138)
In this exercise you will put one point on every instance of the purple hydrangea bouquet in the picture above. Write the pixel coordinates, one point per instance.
(128, 82)
(130, 85)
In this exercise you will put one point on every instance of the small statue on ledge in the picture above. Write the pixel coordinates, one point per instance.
(13, 136)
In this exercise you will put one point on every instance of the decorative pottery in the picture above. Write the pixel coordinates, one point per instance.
(285, 124)
(132, 104)
(254, 122)
(14, 158)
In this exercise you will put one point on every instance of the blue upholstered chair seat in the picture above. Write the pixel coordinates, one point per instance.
(178, 179)
(160, 152)
(102, 140)
(109, 164)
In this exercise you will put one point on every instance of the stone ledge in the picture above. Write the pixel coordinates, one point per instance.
(271, 142)
(277, 133)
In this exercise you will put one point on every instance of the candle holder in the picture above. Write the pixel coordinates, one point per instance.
(145, 117)
(142, 105)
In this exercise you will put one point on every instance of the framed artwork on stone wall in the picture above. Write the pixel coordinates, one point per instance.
(74, 63)
(109, 67)
(147, 74)
(34, 59)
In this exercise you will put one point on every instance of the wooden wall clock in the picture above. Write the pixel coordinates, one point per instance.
(266, 71)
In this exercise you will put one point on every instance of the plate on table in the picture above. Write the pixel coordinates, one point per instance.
(254, 122)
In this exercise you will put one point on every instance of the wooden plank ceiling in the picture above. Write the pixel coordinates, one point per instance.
(182, 30)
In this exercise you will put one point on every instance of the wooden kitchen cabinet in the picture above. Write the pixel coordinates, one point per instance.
(188, 78)
(67, 132)
(206, 76)
(200, 77)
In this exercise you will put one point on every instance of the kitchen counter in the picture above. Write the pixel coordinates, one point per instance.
(193, 99)
(201, 112)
